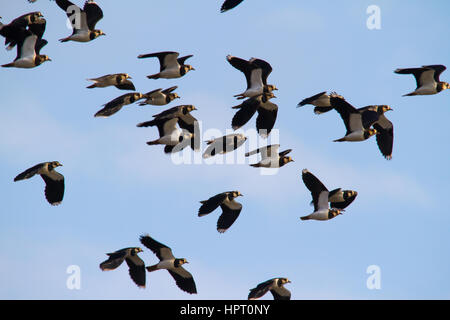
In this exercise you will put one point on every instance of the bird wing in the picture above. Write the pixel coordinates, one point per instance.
(280, 293)
(183, 59)
(266, 152)
(348, 113)
(343, 204)
(162, 251)
(183, 279)
(385, 136)
(126, 85)
(246, 111)
(318, 190)
(266, 68)
(168, 127)
(267, 115)
(136, 269)
(115, 260)
(260, 290)
(438, 69)
(311, 100)
(27, 174)
(368, 116)
(54, 187)
(169, 113)
(211, 204)
(229, 4)
(169, 90)
(93, 14)
(77, 17)
(247, 68)
(167, 59)
(38, 28)
(422, 75)
(230, 212)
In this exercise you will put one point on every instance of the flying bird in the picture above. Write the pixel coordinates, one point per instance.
(275, 286)
(229, 4)
(136, 267)
(230, 208)
(256, 72)
(170, 65)
(174, 266)
(321, 101)
(320, 196)
(270, 157)
(29, 45)
(352, 119)
(267, 113)
(118, 80)
(83, 21)
(54, 181)
(224, 144)
(172, 137)
(160, 97)
(427, 79)
(115, 105)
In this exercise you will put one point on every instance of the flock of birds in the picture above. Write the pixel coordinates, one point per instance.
(26, 33)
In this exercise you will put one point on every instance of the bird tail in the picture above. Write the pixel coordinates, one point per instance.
(152, 268)
(154, 76)
(305, 218)
(9, 65)
(64, 39)
(151, 143)
(409, 94)
(92, 86)
(339, 140)
(256, 165)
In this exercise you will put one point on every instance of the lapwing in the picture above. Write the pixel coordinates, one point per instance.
(224, 144)
(270, 157)
(136, 266)
(275, 286)
(167, 261)
(352, 119)
(170, 65)
(256, 72)
(229, 4)
(160, 97)
(116, 104)
(29, 45)
(321, 101)
(320, 196)
(267, 113)
(427, 79)
(118, 80)
(190, 130)
(54, 181)
(230, 208)
(83, 21)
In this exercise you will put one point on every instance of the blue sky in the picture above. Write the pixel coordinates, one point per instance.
(118, 188)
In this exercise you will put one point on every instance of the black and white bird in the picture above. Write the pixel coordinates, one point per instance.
(136, 266)
(118, 80)
(267, 113)
(167, 261)
(83, 21)
(321, 101)
(170, 135)
(270, 157)
(256, 72)
(160, 97)
(29, 45)
(224, 144)
(275, 286)
(31, 21)
(427, 79)
(320, 196)
(116, 104)
(54, 181)
(229, 4)
(230, 208)
(374, 116)
(171, 66)
(341, 199)
(352, 119)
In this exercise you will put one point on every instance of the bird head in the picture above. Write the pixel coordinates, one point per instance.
(386, 108)
(236, 194)
(349, 193)
(271, 87)
(287, 160)
(55, 164)
(284, 280)
(137, 250)
(444, 85)
(190, 107)
(42, 58)
(174, 96)
(98, 33)
(188, 67)
(371, 132)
